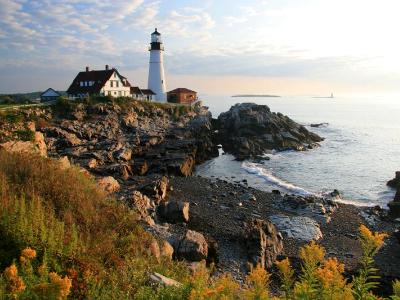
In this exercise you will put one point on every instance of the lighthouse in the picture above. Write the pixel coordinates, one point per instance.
(156, 81)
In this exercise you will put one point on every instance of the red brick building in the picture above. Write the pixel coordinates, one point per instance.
(182, 96)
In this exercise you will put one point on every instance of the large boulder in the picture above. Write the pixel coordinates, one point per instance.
(109, 184)
(249, 129)
(193, 247)
(394, 206)
(174, 211)
(395, 182)
(297, 227)
(263, 242)
(157, 188)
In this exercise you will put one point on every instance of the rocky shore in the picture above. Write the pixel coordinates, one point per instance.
(145, 154)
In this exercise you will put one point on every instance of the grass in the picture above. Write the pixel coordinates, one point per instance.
(74, 226)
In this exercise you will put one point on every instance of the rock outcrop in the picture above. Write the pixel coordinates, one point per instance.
(193, 247)
(249, 130)
(264, 243)
(135, 139)
(299, 228)
(394, 206)
(174, 212)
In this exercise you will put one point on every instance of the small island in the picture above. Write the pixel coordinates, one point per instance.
(256, 96)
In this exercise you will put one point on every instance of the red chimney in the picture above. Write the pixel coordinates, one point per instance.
(87, 69)
(107, 67)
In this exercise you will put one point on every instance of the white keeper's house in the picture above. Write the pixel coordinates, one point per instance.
(107, 82)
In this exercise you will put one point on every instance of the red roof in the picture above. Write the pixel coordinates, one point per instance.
(181, 90)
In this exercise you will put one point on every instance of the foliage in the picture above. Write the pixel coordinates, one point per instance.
(366, 281)
(75, 229)
(63, 238)
(25, 135)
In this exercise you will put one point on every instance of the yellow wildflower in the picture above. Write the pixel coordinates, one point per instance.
(330, 274)
(28, 253)
(15, 284)
(63, 284)
(373, 240)
(23, 260)
(11, 272)
(312, 254)
(257, 280)
(285, 268)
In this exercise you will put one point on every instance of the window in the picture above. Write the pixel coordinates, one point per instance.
(115, 75)
(119, 93)
(109, 93)
(111, 83)
(115, 93)
(116, 83)
(81, 83)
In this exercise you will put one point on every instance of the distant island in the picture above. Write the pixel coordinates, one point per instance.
(326, 97)
(260, 96)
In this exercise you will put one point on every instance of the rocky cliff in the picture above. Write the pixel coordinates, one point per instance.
(133, 139)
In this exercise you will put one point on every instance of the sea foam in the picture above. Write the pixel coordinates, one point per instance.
(256, 169)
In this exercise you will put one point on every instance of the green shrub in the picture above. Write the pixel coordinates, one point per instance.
(25, 135)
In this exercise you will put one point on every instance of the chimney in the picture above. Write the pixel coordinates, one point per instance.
(107, 67)
(87, 69)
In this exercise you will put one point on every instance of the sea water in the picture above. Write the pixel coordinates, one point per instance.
(361, 151)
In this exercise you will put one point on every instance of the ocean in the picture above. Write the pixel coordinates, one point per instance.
(361, 151)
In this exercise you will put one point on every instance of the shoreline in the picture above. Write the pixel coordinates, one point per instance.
(217, 214)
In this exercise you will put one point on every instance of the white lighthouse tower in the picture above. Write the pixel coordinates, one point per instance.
(156, 81)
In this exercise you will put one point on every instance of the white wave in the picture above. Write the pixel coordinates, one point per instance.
(259, 171)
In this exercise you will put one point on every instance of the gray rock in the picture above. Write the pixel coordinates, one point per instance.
(299, 228)
(174, 212)
(249, 130)
(193, 247)
(263, 242)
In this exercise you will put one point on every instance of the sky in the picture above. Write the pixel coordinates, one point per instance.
(285, 47)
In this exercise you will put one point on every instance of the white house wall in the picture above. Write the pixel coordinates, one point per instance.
(120, 91)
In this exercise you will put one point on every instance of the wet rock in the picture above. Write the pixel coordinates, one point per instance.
(300, 228)
(396, 233)
(394, 208)
(193, 247)
(248, 197)
(174, 212)
(394, 183)
(319, 125)
(249, 130)
(108, 184)
(263, 242)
